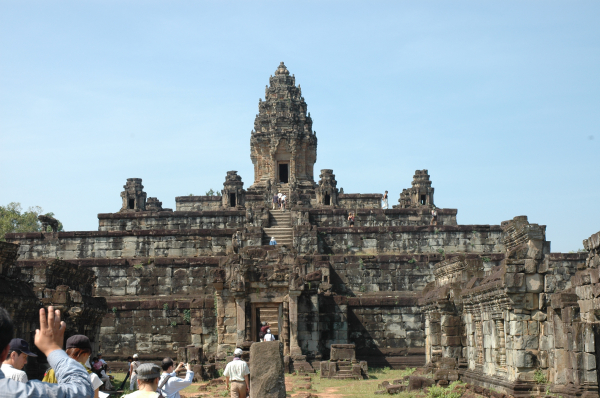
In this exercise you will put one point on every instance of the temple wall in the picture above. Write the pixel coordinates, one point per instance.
(198, 203)
(123, 244)
(410, 239)
(308, 323)
(360, 200)
(155, 327)
(387, 330)
(25, 289)
(380, 217)
(179, 220)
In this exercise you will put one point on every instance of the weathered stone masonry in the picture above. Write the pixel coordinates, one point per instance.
(486, 303)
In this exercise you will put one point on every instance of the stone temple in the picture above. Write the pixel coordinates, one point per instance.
(488, 304)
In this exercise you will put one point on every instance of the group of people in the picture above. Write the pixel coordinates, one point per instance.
(71, 375)
(279, 200)
(265, 332)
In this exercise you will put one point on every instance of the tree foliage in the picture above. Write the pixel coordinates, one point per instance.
(211, 192)
(14, 219)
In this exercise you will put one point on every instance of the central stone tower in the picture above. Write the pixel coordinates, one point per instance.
(283, 147)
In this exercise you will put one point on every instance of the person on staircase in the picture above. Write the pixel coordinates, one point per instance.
(272, 242)
(283, 202)
(275, 201)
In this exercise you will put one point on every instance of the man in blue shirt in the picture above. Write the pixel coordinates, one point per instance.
(73, 379)
(272, 242)
(174, 384)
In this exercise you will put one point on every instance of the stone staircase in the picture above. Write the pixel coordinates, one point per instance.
(344, 371)
(281, 228)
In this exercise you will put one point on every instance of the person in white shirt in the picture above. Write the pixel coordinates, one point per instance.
(269, 336)
(18, 352)
(133, 372)
(174, 384)
(237, 372)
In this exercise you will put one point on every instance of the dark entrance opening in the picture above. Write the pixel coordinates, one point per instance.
(232, 200)
(283, 173)
(266, 312)
(327, 200)
(422, 199)
(131, 203)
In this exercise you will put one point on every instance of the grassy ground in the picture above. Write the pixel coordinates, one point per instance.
(351, 388)
(324, 388)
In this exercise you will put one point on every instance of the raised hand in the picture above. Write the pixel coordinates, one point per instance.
(50, 336)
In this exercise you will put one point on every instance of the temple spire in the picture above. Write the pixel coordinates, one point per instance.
(283, 145)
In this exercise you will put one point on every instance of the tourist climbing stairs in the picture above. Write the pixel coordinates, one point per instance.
(281, 228)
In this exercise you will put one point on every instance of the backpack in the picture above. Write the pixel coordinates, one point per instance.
(160, 392)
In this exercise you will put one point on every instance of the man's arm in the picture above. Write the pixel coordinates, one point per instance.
(73, 380)
(179, 383)
(247, 378)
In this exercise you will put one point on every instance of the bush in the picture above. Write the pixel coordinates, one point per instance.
(540, 377)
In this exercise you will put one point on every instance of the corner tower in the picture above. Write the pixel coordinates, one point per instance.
(283, 147)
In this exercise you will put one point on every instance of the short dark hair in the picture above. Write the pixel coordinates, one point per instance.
(6, 329)
(166, 363)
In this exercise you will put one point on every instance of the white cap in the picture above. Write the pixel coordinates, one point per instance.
(268, 330)
(135, 356)
(238, 352)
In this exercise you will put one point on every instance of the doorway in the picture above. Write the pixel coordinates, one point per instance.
(232, 200)
(327, 200)
(284, 173)
(266, 312)
(131, 204)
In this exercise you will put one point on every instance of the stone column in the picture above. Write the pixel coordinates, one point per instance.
(501, 343)
(293, 311)
(240, 305)
(479, 340)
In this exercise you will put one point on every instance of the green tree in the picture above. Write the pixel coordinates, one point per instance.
(14, 219)
(211, 192)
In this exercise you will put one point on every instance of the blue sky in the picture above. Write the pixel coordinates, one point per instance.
(498, 100)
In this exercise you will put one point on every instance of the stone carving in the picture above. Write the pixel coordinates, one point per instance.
(283, 146)
(420, 194)
(134, 197)
(327, 192)
(153, 204)
(233, 193)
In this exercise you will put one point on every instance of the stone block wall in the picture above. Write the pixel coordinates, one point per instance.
(156, 327)
(352, 275)
(366, 217)
(308, 323)
(198, 203)
(123, 244)
(66, 286)
(387, 331)
(16, 295)
(360, 200)
(179, 220)
(411, 239)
